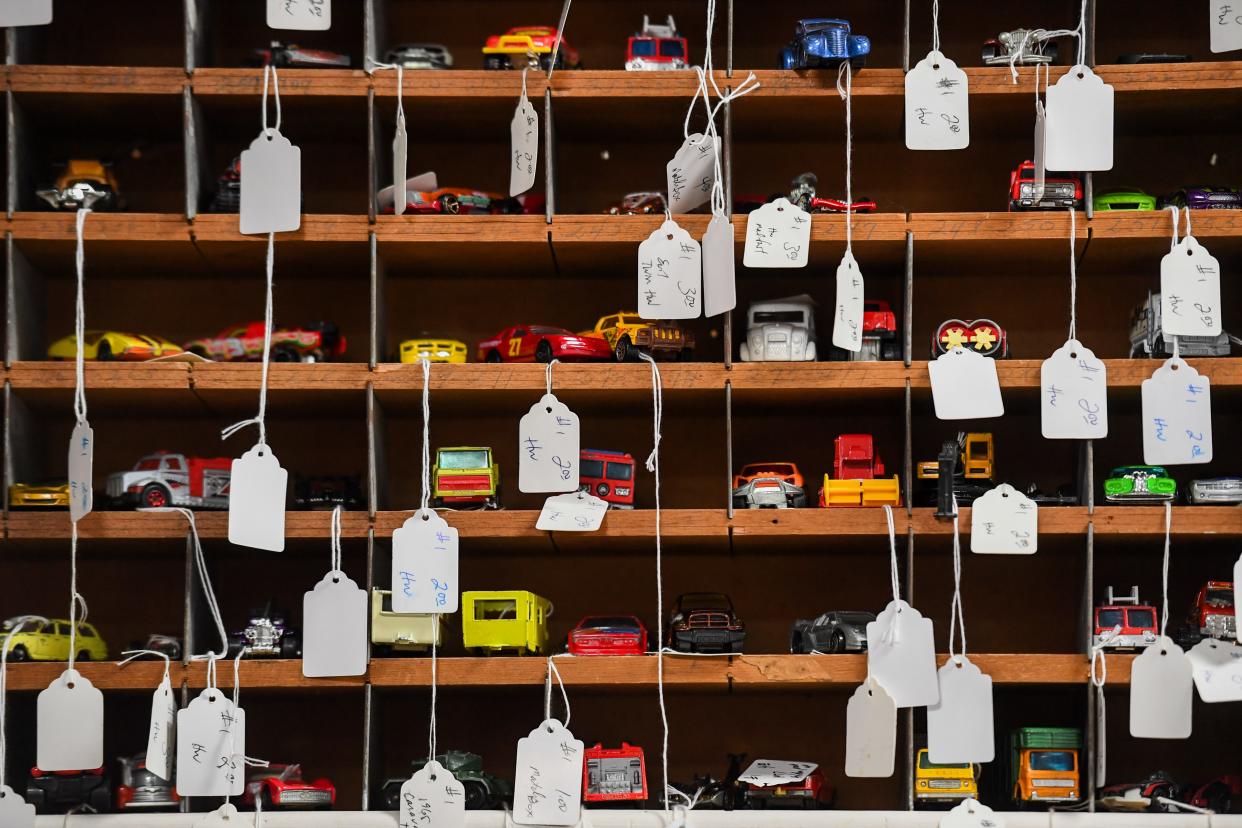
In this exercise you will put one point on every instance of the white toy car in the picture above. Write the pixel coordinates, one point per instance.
(782, 330)
(1147, 336)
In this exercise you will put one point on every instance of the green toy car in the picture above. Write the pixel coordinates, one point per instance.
(1123, 199)
(1140, 484)
(483, 791)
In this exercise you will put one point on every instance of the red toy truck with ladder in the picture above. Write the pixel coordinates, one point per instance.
(857, 477)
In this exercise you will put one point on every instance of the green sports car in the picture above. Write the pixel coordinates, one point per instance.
(1123, 199)
(1140, 484)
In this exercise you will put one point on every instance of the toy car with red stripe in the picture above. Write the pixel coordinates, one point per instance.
(543, 343)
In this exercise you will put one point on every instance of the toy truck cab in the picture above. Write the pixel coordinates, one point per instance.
(782, 330)
(505, 620)
(400, 631)
(1212, 615)
(1044, 764)
(1122, 623)
(166, 478)
(936, 782)
(614, 774)
(1057, 194)
(857, 477)
(609, 475)
(466, 475)
(656, 48)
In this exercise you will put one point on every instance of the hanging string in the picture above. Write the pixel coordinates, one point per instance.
(261, 419)
(846, 93)
(560, 36)
(271, 70)
(425, 497)
(1164, 574)
(892, 549)
(957, 620)
(547, 693)
(1173, 216)
(75, 598)
(335, 539)
(1186, 213)
(209, 593)
(548, 375)
(1035, 36)
(653, 466)
(79, 392)
(935, 25)
(133, 654)
(431, 729)
(18, 624)
(1073, 329)
(1098, 658)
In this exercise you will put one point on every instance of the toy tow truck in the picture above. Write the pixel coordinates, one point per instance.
(857, 477)
(166, 478)
(1043, 764)
(1122, 623)
(466, 475)
(963, 471)
(656, 48)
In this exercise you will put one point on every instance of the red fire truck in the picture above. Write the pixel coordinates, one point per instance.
(614, 774)
(169, 479)
(609, 475)
(857, 477)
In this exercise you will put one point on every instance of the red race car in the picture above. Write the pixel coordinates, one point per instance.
(608, 635)
(614, 774)
(543, 343)
(316, 342)
(282, 786)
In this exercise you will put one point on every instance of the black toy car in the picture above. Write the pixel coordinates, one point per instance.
(227, 198)
(56, 792)
(268, 635)
(484, 791)
(704, 622)
(327, 491)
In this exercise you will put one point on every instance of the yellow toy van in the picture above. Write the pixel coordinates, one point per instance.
(505, 621)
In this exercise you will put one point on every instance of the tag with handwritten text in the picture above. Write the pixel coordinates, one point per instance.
(302, 15)
(719, 267)
(257, 489)
(971, 813)
(1177, 415)
(768, 772)
(523, 147)
(271, 185)
(1161, 692)
(400, 148)
(1003, 521)
(25, 13)
(162, 734)
(81, 471)
(959, 726)
(847, 321)
(1217, 669)
(1224, 24)
(211, 746)
(1079, 132)
(432, 796)
(691, 174)
(1190, 290)
(573, 512)
(901, 655)
(69, 732)
(670, 274)
(547, 780)
(424, 565)
(1073, 401)
(334, 627)
(870, 732)
(965, 386)
(15, 812)
(937, 105)
(548, 447)
(778, 234)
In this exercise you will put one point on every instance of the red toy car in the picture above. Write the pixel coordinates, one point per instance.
(531, 46)
(609, 475)
(656, 47)
(1058, 193)
(803, 193)
(614, 774)
(543, 343)
(316, 342)
(608, 635)
(282, 786)
(983, 336)
(812, 792)
(1212, 615)
(1134, 623)
(879, 335)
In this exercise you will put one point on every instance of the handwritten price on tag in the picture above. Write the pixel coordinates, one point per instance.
(440, 589)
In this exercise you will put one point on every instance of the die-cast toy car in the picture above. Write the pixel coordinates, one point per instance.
(836, 631)
(282, 787)
(166, 478)
(609, 475)
(824, 41)
(49, 640)
(543, 343)
(105, 346)
(769, 486)
(84, 182)
(266, 635)
(433, 350)
(531, 46)
(803, 193)
(630, 335)
(638, 204)
(1129, 198)
(1215, 490)
(1057, 193)
(141, 790)
(614, 774)
(1139, 484)
(420, 56)
(983, 336)
(656, 47)
(1205, 198)
(704, 622)
(1019, 47)
(1122, 623)
(608, 635)
(290, 55)
(45, 494)
(780, 330)
(483, 791)
(316, 342)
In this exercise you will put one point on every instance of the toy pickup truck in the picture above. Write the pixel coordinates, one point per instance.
(465, 475)
(630, 335)
(857, 477)
(704, 622)
(166, 478)
(1212, 615)
(780, 330)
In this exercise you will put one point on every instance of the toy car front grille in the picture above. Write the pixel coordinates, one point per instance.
(708, 619)
(305, 796)
(836, 41)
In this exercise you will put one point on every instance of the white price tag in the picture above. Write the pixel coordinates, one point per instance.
(719, 267)
(1073, 402)
(257, 489)
(971, 813)
(25, 13)
(547, 788)
(965, 386)
(69, 731)
(424, 565)
(573, 512)
(162, 734)
(670, 274)
(691, 174)
(81, 465)
(778, 234)
(1004, 521)
(432, 796)
(523, 147)
(400, 147)
(1161, 692)
(302, 15)
(15, 812)
(1190, 290)
(766, 773)
(847, 322)
(548, 447)
(1237, 594)
(1079, 132)
(271, 185)
(1041, 145)
(959, 726)
(870, 732)
(901, 655)
(334, 628)
(226, 816)
(1224, 23)
(211, 746)
(1217, 670)
(937, 105)
(1177, 415)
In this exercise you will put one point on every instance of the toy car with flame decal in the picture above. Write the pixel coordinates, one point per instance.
(543, 343)
(292, 56)
(105, 346)
(983, 336)
(282, 787)
(704, 622)
(529, 46)
(608, 635)
(316, 342)
(1204, 198)
(630, 335)
(614, 774)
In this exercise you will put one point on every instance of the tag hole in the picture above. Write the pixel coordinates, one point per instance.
(935, 65)
(211, 699)
(1174, 366)
(549, 408)
(1004, 494)
(433, 777)
(1188, 252)
(71, 685)
(670, 238)
(1164, 652)
(550, 728)
(780, 209)
(957, 664)
(1081, 76)
(1073, 355)
(336, 580)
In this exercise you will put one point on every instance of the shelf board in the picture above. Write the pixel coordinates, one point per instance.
(137, 526)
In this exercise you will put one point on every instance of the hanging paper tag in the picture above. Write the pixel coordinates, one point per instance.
(257, 489)
(81, 463)
(524, 147)
(1004, 521)
(965, 386)
(1073, 394)
(302, 15)
(901, 655)
(691, 174)
(971, 813)
(1217, 670)
(959, 726)
(400, 146)
(162, 735)
(937, 105)
(25, 13)
(574, 512)
(15, 812)
(778, 234)
(1041, 143)
(1079, 133)
(548, 447)
(432, 796)
(1190, 290)
(1237, 594)
(1177, 415)
(1224, 23)
(211, 746)
(719, 279)
(670, 274)
(768, 772)
(870, 731)
(1161, 692)
(424, 565)
(226, 816)
(547, 786)
(334, 628)
(271, 185)
(848, 320)
(69, 732)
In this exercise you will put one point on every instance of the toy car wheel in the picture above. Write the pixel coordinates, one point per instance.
(449, 204)
(476, 795)
(284, 354)
(990, 51)
(155, 496)
(543, 351)
(1162, 792)
(621, 351)
(496, 62)
(291, 646)
(836, 642)
(19, 653)
(103, 351)
(84, 656)
(494, 356)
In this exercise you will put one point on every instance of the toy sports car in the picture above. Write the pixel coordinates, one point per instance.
(141, 790)
(317, 342)
(769, 486)
(543, 343)
(49, 641)
(704, 622)
(48, 494)
(824, 41)
(84, 182)
(483, 790)
(983, 336)
(529, 46)
(837, 631)
(420, 56)
(1205, 198)
(327, 491)
(268, 635)
(608, 635)
(1001, 50)
(630, 335)
(291, 55)
(1215, 490)
(656, 47)
(1139, 484)
(638, 204)
(614, 774)
(58, 792)
(1058, 193)
(460, 200)
(802, 193)
(282, 786)
(1123, 199)
(109, 345)
(432, 350)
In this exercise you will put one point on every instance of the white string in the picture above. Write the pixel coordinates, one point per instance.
(269, 68)
(261, 419)
(935, 25)
(1073, 277)
(1082, 34)
(1186, 212)
(18, 623)
(431, 729)
(1173, 215)
(75, 597)
(425, 497)
(79, 393)
(1098, 657)
(133, 654)
(1164, 582)
(209, 593)
(547, 693)
(548, 375)
(892, 549)
(525, 69)
(957, 619)
(400, 93)
(560, 35)
(1035, 36)
(846, 93)
(336, 539)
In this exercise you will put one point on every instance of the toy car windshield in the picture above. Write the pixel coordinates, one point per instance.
(761, 317)
(600, 622)
(463, 459)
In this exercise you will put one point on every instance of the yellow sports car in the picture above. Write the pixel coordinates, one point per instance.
(49, 641)
(109, 345)
(47, 494)
(433, 350)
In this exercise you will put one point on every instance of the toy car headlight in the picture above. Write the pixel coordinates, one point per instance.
(1026, 190)
(1149, 635)
(799, 337)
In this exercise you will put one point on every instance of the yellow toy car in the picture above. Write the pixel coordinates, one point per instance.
(629, 335)
(402, 631)
(109, 345)
(505, 621)
(49, 641)
(466, 475)
(944, 783)
(433, 350)
(84, 182)
(49, 494)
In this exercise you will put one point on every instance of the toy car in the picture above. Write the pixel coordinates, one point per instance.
(781, 330)
(141, 790)
(1212, 615)
(1122, 623)
(1123, 199)
(464, 475)
(1139, 484)
(1159, 792)
(109, 345)
(1205, 198)
(420, 56)
(166, 478)
(812, 792)
(824, 41)
(936, 782)
(327, 491)
(483, 791)
(48, 494)
(983, 336)
(1152, 57)
(1147, 335)
(282, 787)
(529, 46)
(704, 622)
(58, 792)
(1058, 193)
(656, 48)
(802, 193)
(49, 641)
(836, 631)
(609, 475)
(84, 182)
(857, 477)
(227, 196)
(614, 774)
(1001, 50)
(432, 350)
(505, 621)
(630, 335)
(639, 204)
(608, 635)
(543, 343)
(403, 632)
(879, 335)
(769, 486)
(1063, 496)
(266, 635)
(1216, 490)
(962, 472)
(316, 342)
(290, 55)
(158, 642)
(1043, 764)
(454, 201)
(709, 793)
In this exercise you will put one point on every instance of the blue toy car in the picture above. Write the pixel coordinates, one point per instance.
(824, 41)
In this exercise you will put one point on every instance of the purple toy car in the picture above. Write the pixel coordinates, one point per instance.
(1205, 198)
(268, 635)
